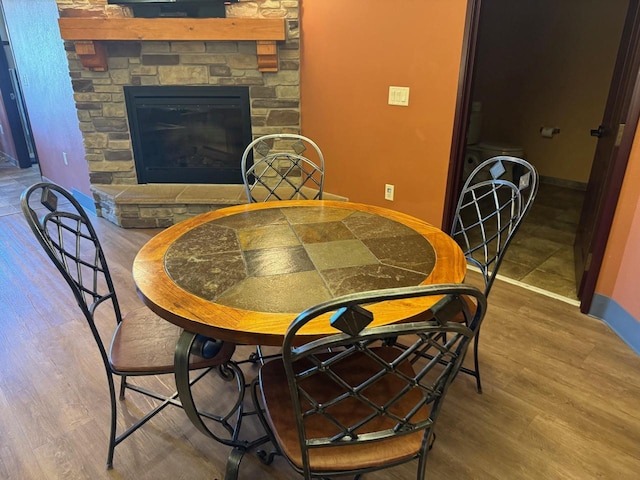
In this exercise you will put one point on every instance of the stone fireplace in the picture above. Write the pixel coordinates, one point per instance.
(193, 134)
(104, 64)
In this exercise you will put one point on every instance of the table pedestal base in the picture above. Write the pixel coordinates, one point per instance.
(231, 421)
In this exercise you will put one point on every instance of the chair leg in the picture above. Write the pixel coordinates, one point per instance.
(476, 362)
(114, 416)
(266, 458)
(123, 386)
(256, 356)
(422, 465)
(114, 439)
(259, 356)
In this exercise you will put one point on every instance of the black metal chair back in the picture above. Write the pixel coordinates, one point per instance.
(283, 166)
(494, 200)
(357, 401)
(69, 239)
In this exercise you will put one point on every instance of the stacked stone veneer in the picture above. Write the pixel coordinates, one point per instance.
(274, 99)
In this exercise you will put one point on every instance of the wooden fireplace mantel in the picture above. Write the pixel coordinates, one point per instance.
(88, 34)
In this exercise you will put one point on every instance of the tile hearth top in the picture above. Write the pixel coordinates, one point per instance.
(156, 193)
(161, 205)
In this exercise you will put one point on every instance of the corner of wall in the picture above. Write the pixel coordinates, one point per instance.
(618, 319)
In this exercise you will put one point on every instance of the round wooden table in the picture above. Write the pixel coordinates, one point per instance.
(242, 274)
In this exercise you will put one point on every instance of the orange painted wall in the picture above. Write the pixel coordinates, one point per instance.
(352, 51)
(618, 277)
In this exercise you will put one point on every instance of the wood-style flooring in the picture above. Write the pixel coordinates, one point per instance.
(13, 181)
(560, 398)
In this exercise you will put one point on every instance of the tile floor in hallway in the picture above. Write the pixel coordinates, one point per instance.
(541, 254)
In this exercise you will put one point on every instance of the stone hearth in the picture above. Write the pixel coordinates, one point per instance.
(162, 205)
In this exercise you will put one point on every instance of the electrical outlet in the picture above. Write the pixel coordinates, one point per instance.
(389, 191)
(64, 158)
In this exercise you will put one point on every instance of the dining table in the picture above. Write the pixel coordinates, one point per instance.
(242, 274)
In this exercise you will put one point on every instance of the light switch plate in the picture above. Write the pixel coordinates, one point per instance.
(399, 96)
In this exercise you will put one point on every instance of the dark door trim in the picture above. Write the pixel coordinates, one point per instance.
(627, 74)
(460, 127)
(10, 98)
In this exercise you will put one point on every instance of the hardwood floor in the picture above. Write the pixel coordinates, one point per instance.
(560, 394)
(13, 181)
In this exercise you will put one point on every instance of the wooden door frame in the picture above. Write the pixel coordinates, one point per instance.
(11, 98)
(613, 183)
(460, 127)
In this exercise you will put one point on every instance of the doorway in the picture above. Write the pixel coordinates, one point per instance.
(16, 141)
(540, 66)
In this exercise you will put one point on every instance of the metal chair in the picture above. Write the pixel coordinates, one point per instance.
(142, 344)
(495, 198)
(282, 166)
(354, 401)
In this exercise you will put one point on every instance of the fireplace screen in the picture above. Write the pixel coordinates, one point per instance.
(188, 134)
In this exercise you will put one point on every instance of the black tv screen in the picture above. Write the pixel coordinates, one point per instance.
(176, 8)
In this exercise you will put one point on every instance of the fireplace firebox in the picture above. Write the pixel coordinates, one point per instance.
(188, 134)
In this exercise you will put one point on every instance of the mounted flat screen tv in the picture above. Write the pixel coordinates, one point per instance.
(176, 8)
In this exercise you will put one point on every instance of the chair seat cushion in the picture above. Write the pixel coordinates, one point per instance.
(354, 370)
(146, 343)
